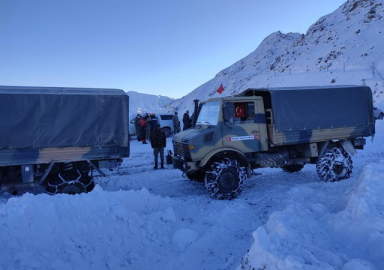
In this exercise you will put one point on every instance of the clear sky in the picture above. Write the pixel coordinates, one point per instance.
(163, 47)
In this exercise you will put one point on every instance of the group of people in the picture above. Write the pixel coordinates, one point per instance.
(144, 124)
(187, 122)
(148, 127)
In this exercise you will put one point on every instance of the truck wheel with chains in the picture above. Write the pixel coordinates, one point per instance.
(70, 182)
(334, 165)
(226, 179)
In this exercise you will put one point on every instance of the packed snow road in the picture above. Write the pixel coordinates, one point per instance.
(141, 218)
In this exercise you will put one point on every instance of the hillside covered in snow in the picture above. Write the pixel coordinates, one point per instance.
(143, 103)
(341, 48)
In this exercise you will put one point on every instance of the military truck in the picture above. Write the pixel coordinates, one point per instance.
(274, 127)
(55, 137)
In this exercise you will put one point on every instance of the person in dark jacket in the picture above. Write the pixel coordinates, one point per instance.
(192, 119)
(137, 126)
(143, 128)
(186, 120)
(176, 124)
(151, 123)
(158, 143)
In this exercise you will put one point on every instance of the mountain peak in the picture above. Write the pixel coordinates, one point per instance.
(371, 9)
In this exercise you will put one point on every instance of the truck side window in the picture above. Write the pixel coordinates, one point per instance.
(250, 112)
(230, 108)
(240, 112)
(244, 112)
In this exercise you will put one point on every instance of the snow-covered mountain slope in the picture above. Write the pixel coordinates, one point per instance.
(341, 48)
(143, 103)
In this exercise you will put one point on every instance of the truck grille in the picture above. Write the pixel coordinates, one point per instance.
(181, 149)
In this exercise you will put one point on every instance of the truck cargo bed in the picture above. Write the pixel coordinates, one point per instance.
(43, 124)
(313, 114)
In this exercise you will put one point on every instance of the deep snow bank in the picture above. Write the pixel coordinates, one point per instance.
(312, 235)
(98, 230)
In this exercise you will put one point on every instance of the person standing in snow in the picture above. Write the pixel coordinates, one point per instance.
(176, 123)
(158, 143)
(192, 119)
(137, 126)
(186, 121)
(143, 128)
(151, 123)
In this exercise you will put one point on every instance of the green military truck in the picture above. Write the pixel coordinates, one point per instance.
(55, 137)
(278, 128)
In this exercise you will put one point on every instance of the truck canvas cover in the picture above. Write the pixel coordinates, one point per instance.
(316, 108)
(52, 117)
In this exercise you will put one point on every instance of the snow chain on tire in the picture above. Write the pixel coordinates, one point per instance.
(228, 168)
(70, 179)
(334, 165)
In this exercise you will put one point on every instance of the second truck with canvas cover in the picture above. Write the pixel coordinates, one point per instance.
(278, 128)
(54, 137)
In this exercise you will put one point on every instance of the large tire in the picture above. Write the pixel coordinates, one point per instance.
(226, 179)
(334, 165)
(71, 188)
(292, 168)
(196, 176)
(70, 182)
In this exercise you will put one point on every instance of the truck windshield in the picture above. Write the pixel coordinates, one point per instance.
(209, 113)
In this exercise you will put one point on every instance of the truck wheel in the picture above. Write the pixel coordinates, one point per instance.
(71, 188)
(226, 180)
(88, 183)
(196, 176)
(292, 168)
(70, 182)
(334, 165)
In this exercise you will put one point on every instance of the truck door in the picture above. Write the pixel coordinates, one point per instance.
(243, 130)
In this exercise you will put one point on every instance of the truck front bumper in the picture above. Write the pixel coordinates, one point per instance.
(184, 166)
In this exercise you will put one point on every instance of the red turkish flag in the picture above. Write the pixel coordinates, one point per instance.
(221, 89)
(239, 109)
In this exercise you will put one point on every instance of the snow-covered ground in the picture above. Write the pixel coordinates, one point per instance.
(141, 218)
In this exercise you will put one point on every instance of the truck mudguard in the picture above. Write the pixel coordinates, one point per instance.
(216, 151)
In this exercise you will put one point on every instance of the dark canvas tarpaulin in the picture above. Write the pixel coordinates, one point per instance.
(42, 117)
(309, 108)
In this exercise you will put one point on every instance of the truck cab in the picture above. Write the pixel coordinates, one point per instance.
(234, 125)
